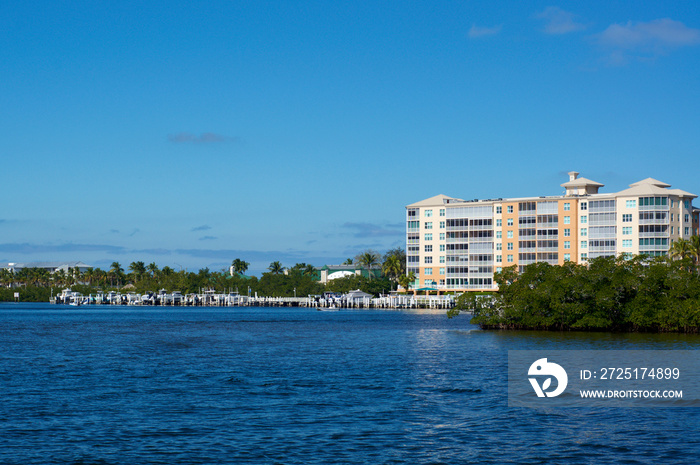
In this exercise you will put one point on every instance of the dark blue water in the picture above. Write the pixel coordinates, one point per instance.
(120, 385)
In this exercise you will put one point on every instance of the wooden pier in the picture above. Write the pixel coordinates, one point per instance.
(213, 299)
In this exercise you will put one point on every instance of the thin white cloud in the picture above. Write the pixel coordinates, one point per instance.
(558, 21)
(478, 31)
(645, 40)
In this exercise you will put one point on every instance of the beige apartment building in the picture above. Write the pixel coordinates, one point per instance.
(457, 245)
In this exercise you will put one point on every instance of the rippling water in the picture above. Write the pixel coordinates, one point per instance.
(124, 385)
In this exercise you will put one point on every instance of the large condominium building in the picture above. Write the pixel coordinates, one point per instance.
(455, 244)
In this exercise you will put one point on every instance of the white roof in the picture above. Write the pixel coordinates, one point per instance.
(433, 201)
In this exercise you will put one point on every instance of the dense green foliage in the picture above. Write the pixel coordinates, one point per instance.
(37, 285)
(641, 294)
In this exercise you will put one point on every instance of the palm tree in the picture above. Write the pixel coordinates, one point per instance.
(694, 246)
(152, 269)
(310, 270)
(138, 269)
(368, 259)
(116, 271)
(240, 266)
(348, 261)
(680, 249)
(406, 280)
(276, 268)
(392, 267)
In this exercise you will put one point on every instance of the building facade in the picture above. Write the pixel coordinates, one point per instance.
(454, 244)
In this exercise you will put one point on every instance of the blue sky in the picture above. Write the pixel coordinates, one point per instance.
(193, 133)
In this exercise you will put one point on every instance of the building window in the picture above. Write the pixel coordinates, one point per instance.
(567, 244)
(442, 259)
(510, 222)
(499, 269)
(510, 234)
(428, 260)
(627, 218)
(567, 220)
(442, 271)
(498, 210)
(442, 236)
(671, 229)
(671, 216)
(428, 236)
(442, 212)
(499, 234)
(567, 257)
(627, 243)
(584, 219)
(428, 225)
(687, 231)
(567, 232)
(584, 256)
(428, 248)
(584, 232)
(499, 222)
(686, 218)
(631, 204)
(442, 247)
(510, 259)
(567, 206)
(428, 213)
(442, 225)
(428, 282)
(627, 231)
(499, 246)
(499, 258)
(584, 206)
(428, 271)
(510, 246)
(584, 244)
(686, 204)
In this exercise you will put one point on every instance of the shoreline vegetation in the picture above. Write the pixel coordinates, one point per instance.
(641, 294)
(383, 273)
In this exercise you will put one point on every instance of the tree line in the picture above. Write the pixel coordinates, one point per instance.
(301, 279)
(659, 294)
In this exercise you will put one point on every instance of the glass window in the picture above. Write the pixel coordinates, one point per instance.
(442, 259)
(428, 225)
(442, 247)
(567, 220)
(567, 244)
(567, 257)
(584, 219)
(627, 230)
(584, 244)
(442, 212)
(499, 258)
(510, 259)
(442, 271)
(428, 236)
(498, 210)
(428, 248)
(627, 218)
(428, 260)
(498, 222)
(510, 246)
(631, 204)
(567, 206)
(627, 243)
(584, 256)
(510, 209)
(499, 246)
(428, 271)
(510, 222)
(567, 232)
(428, 213)
(442, 236)
(499, 234)
(442, 225)
(584, 206)
(584, 232)
(510, 234)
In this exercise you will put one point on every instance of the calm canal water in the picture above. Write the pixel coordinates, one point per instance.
(125, 385)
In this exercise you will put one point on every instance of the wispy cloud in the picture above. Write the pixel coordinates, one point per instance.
(204, 138)
(204, 227)
(480, 31)
(207, 238)
(558, 21)
(364, 230)
(645, 40)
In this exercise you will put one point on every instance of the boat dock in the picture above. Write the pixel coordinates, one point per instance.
(233, 299)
